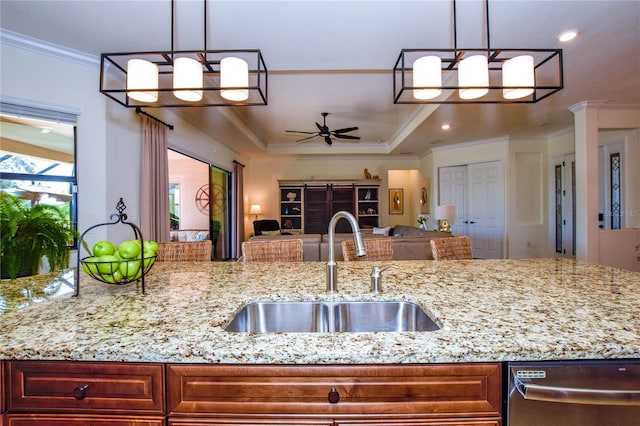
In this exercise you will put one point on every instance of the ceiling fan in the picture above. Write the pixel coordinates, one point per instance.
(325, 133)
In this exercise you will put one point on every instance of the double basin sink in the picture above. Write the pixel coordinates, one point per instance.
(327, 317)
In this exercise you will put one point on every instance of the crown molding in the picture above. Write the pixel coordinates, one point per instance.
(45, 48)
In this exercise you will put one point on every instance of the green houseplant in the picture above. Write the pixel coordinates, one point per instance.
(29, 233)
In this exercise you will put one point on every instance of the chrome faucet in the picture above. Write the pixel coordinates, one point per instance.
(332, 273)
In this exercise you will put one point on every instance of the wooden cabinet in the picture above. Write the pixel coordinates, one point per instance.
(52, 393)
(456, 394)
(307, 206)
(57, 392)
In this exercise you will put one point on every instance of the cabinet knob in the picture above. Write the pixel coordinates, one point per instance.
(333, 396)
(80, 392)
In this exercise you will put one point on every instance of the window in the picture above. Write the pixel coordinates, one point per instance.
(174, 205)
(37, 157)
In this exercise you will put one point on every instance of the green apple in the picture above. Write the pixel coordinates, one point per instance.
(129, 268)
(117, 276)
(129, 249)
(89, 265)
(108, 278)
(107, 263)
(150, 245)
(149, 257)
(102, 248)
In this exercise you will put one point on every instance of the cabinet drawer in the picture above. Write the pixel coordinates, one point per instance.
(248, 422)
(80, 420)
(110, 388)
(428, 390)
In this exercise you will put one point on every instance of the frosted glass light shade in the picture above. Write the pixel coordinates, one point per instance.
(187, 74)
(142, 74)
(255, 209)
(234, 72)
(473, 71)
(427, 72)
(518, 77)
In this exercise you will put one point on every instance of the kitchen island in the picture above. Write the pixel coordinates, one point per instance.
(487, 310)
(113, 356)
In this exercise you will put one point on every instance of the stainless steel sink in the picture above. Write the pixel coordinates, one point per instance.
(319, 317)
(276, 317)
(381, 316)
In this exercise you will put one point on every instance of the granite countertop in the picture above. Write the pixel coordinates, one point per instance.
(488, 310)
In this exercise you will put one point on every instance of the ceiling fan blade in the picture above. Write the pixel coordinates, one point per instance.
(328, 140)
(345, 130)
(304, 139)
(319, 126)
(347, 137)
(296, 131)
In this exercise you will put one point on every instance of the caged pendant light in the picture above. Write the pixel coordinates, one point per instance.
(478, 75)
(185, 78)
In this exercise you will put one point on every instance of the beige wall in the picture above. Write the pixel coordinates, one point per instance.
(262, 175)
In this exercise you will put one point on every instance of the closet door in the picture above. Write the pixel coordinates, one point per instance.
(477, 191)
(453, 191)
(316, 215)
(322, 202)
(486, 209)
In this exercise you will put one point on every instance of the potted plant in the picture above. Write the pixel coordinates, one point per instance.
(29, 233)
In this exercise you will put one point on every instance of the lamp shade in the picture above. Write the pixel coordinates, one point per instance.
(143, 76)
(427, 72)
(234, 72)
(518, 77)
(473, 72)
(445, 212)
(255, 209)
(187, 74)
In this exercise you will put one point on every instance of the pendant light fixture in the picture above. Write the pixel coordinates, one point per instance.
(185, 78)
(476, 75)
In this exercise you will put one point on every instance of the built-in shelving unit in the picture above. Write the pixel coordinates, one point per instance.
(368, 206)
(291, 208)
(307, 206)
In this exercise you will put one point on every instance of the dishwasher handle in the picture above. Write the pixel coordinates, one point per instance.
(568, 395)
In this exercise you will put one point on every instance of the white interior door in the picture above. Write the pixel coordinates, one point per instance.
(486, 210)
(477, 191)
(453, 191)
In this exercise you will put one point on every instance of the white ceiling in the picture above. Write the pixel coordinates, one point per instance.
(337, 56)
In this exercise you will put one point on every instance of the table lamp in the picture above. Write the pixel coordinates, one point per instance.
(445, 214)
(255, 209)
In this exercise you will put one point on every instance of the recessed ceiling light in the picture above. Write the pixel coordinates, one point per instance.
(45, 130)
(445, 127)
(567, 35)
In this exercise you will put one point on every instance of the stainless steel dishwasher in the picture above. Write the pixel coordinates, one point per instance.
(572, 393)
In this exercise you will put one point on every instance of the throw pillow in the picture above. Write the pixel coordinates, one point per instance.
(276, 232)
(382, 231)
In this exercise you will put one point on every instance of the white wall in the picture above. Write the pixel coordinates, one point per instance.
(526, 188)
(109, 135)
(50, 81)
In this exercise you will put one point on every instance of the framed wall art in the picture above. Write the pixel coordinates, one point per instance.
(425, 201)
(396, 201)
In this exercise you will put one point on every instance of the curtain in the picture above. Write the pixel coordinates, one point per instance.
(154, 191)
(238, 209)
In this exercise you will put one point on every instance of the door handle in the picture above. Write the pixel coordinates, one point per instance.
(472, 222)
(569, 395)
(465, 221)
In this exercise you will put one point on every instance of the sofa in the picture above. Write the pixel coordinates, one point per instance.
(409, 243)
(188, 235)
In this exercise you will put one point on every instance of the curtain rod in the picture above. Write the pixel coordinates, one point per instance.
(140, 111)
